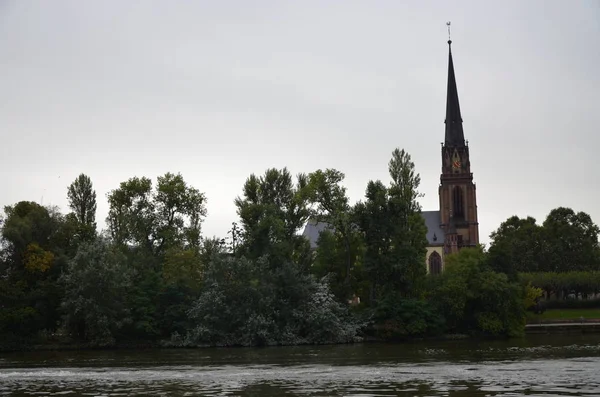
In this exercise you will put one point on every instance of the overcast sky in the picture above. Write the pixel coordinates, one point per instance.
(218, 90)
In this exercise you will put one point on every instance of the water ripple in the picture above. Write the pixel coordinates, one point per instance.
(534, 367)
(565, 377)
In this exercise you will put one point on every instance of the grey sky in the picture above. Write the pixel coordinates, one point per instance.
(219, 90)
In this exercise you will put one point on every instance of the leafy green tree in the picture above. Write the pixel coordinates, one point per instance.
(32, 261)
(184, 274)
(583, 284)
(396, 318)
(96, 283)
(405, 183)
(518, 245)
(156, 220)
(159, 231)
(408, 228)
(272, 210)
(566, 241)
(82, 201)
(330, 260)
(26, 223)
(476, 299)
(573, 241)
(183, 267)
(336, 254)
(395, 232)
(372, 216)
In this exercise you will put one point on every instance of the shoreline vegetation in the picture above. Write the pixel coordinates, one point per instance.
(71, 346)
(152, 279)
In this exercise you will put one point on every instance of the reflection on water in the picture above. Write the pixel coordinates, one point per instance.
(536, 366)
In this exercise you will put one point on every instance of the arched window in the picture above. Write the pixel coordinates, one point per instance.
(457, 202)
(435, 263)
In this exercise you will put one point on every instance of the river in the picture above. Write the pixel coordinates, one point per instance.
(538, 365)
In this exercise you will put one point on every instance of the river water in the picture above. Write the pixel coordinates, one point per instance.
(539, 365)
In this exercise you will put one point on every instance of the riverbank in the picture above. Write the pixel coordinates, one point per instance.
(564, 321)
(68, 345)
(555, 321)
(592, 327)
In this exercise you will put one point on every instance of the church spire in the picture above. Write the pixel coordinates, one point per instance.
(454, 129)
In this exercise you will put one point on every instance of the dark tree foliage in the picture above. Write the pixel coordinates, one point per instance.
(152, 278)
(96, 283)
(272, 210)
(32, 256)
(82, 201)
(566, 241)
(573, 241)
(155, 220)
(475, 299)
(250, 302)
(340, 247)
(331, 260)
(394, 232)
(396, 318)
(576, 285)
(518, 245)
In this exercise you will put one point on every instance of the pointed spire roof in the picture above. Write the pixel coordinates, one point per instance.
(454, 129)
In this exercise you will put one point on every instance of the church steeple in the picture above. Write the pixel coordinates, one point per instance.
(454, 129)
(457, 192)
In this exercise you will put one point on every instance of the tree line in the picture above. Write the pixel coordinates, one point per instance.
(152, 277)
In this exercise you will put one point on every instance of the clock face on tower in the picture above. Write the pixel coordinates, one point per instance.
(456, 163)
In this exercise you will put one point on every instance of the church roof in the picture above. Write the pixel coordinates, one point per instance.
(435, 234)
(454, 128)
(312, 231)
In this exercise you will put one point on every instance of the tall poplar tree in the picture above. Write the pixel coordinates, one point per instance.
(395, 232)
(82, 201)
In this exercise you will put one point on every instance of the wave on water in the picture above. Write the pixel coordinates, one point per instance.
(572, 377)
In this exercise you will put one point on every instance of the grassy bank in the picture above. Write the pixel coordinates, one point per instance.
(560, 315)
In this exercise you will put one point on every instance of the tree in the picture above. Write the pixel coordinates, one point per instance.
(272, 210)
(27, 222)
(96, 283)
(372, 217)
(32, 261)
(408, 227)
(156, 220)
(331, 261)
(395, 232)
(159, 231)
(573, 241)
(82, 201)
(518, 245)
(473, 298)
(405, 182)
(566, 241)
(333, 208)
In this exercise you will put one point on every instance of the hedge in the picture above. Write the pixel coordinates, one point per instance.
(581, 285)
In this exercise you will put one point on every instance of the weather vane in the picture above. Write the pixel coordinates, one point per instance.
(448, 24)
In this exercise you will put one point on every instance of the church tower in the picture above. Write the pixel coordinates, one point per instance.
(458, 204)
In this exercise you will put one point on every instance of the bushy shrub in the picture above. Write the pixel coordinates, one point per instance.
(580, 284)
(96, 282)
(396, 318)
(475, 299)
(249, 303)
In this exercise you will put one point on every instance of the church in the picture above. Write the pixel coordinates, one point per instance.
(455, 224)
